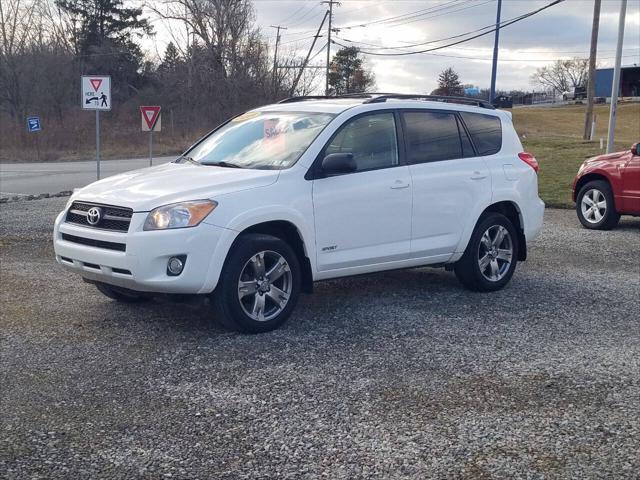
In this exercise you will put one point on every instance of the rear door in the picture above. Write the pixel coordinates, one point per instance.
(364, 217)
(449, 180)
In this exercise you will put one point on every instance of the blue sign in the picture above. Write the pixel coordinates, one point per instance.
(472, 91)
(33, 124)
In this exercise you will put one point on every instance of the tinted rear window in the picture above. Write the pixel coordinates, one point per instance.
(485, 130)
(432, 136)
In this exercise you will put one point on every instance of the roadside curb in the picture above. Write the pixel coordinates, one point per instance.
(20, 197)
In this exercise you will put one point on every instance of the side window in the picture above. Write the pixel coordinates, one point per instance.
(432, 136)
(485, 131)
(371, 139)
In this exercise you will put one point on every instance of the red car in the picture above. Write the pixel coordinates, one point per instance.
(606, 187)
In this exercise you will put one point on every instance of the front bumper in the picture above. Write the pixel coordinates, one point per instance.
(143, 264)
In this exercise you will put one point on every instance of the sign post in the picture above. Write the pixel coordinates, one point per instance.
(33, 126)
(151, 122)
(95, 94)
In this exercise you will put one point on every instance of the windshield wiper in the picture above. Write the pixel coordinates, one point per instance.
(224, 164)
(186, 159)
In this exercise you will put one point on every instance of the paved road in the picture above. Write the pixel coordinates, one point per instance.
(400, 375)
(54, 177)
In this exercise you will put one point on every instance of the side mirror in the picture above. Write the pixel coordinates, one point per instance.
(338, 163)
(634, 149)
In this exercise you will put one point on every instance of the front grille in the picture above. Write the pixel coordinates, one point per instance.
(121, 247)
(111, 218)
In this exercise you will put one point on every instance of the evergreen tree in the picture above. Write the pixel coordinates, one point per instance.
(103, 37)
(347, 73)
(171, 59)
(448, 84)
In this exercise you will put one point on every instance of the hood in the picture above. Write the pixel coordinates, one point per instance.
(148, 188)
(607, 158)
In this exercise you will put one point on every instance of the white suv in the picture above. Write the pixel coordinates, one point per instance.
(311, 189)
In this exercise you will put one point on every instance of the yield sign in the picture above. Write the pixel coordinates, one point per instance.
(95, 83)
(150, 116)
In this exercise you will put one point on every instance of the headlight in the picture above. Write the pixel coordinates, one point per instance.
(179, 215)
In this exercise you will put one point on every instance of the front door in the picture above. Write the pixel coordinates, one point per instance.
(364, 218)
(631, 185)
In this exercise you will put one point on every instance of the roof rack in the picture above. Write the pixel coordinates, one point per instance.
(435, 98)
(376, 97)
(302, 98)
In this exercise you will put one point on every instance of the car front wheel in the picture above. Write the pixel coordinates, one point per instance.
(259, 284)
(595, 206)
(490, 259)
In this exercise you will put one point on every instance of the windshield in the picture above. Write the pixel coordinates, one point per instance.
(261, 140)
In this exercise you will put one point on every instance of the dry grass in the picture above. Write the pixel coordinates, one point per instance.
(554, 136)
(73, 137)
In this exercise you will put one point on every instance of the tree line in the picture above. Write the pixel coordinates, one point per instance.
(217, 64)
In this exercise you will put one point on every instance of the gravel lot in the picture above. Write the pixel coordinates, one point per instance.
(396, 375)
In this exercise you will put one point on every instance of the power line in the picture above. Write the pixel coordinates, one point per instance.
(418, 17)
(398, 17)
(292, 16)
(506, 24)
(376, 46)
(408, 45)
(308, 16)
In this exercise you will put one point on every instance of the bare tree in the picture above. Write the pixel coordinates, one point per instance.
(562, 75)
(16, 17)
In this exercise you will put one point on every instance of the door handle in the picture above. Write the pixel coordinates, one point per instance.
(399, 184)
(477, 176)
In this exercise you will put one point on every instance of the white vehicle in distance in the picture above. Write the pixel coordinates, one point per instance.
(311, 189)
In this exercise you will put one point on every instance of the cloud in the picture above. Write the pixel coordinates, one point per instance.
(562, 31)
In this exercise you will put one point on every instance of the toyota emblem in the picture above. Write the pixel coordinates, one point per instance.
(94, 215)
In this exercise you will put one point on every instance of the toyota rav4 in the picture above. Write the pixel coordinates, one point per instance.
(311, 189)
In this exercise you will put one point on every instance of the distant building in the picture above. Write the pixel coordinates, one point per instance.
(629, 82)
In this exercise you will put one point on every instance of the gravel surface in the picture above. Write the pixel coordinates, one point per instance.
(396, 375)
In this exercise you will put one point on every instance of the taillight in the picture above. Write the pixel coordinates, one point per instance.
(529, 160)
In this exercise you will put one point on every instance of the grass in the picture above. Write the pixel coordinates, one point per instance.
(554, 136)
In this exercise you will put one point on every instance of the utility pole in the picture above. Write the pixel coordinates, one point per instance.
(494, 66)
(616, 78)
(306, 60)
(330, 3)
(591, 85)
(275, 56)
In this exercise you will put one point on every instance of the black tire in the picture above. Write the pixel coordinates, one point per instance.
(609, 218)
(230, 310)
(120, 294)
(468, 268)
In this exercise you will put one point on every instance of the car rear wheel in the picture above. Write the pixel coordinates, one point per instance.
(595, 206)
(259, 284)
(490, 259)
(120, 294)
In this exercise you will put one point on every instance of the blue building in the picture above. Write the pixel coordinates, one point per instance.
(629, 82)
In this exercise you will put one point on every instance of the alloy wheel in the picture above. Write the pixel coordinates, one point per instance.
(265, 285)
(495, 253)
(593, 206)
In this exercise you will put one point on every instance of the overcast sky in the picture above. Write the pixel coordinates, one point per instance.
(562, 31)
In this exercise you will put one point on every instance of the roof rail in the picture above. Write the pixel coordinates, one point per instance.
(376, 97)
(302, 98)
(436, 98)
